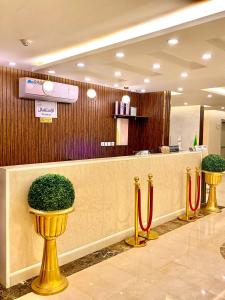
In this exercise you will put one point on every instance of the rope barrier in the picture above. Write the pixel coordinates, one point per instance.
(198, 194)
(192, 211)
(136, 241)
(140, 237)
(149, 222)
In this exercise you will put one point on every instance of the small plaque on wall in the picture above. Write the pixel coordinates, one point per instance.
(46, 120)
(45, 109)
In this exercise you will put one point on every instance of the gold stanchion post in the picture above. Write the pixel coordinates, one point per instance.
(150, 234)
(136, 241)
(197, 213)
(188, 217)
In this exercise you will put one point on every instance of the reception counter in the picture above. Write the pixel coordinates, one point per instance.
(104, 206)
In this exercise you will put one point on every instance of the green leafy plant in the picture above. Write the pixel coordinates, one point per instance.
(213, 163)
(51, 192)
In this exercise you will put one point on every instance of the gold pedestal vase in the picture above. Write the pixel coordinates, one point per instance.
(50, 225)
(212, 179)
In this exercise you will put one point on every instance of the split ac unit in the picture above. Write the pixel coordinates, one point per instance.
(37, 89)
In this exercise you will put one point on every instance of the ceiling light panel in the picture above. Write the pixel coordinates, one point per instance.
(184, 74)
(216, 90)
(207, 56)
(173, 41)
(117, 73)
(156, 66)
(80, 65)
(173, 93)
(120, 54)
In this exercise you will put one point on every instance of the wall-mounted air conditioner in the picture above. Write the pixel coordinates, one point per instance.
(37, 89)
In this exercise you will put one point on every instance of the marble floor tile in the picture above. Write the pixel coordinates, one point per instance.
(183, 264)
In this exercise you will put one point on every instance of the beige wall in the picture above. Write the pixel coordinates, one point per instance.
(184, 123)
(104, 206)
(212, 130)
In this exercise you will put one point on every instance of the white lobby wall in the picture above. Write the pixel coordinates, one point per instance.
(212, 130)
(184, 122)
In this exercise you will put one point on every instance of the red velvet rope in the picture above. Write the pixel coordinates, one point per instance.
(150, 210)
(198, 195)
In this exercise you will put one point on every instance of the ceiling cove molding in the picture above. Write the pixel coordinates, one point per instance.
(184, 18)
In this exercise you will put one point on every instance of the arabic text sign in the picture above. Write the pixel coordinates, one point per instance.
(45, 109)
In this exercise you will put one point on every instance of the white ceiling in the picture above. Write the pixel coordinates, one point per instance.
(140, 56)
(54, 25)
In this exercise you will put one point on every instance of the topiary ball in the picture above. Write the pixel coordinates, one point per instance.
(51, 192)
(213, 163)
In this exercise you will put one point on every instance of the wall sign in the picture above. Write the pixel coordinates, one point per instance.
(45, 109)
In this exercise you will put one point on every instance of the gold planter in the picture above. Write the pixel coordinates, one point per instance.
(212, 179)
(50, 225)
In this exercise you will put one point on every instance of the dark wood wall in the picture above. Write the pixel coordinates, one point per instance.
(79, 128)
(155, 133)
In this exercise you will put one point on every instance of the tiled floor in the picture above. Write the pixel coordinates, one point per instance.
(185, 263)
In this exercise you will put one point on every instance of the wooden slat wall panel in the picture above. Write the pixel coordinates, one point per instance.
(155, 133)
(79, 128)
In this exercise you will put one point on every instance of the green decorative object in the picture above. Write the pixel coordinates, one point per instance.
(213, 163)
(195, 141)
(51, 192)
(51, 199)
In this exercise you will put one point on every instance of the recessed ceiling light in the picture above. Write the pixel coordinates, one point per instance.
(51, 72)
(146, 80)
(143, 90)
(117, 73)
(156, 66)
(80, 65)
(209, 96)
(180, 89)
(116, 85)
(120, 54)
(207, 56)
(87, 79)
(184, 74)
(12, 63)
(185, 103)
(222, 107)
(173, 41)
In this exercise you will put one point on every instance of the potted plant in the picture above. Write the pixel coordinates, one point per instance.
(213, 165)
(51, 199)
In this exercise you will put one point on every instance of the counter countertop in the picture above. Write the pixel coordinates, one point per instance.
(92, 161)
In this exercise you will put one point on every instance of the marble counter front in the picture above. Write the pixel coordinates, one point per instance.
(104, 206)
